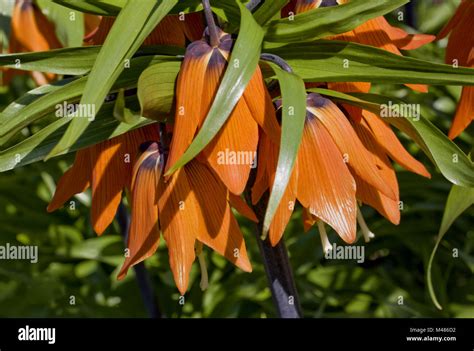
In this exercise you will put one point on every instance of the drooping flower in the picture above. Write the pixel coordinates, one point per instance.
(460, 52)
(376, 32)
(201, 72)
(107, 169)
(192, 207)
(31, 31)
(338, 163)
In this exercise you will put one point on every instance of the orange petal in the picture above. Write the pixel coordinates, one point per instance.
(463, 7)
(241, 206)
(218, 227)
(189, 101)
(367, 193)
(193, 26)
(360, 160)
(389, 141)
(460, 44)
(109, 177)
(402, 39)
(325, 185)
(347, 87)
(287, 203)
(168, 32)
(308, 220)
(262, 182)
(143, 237)
(179, 223)
(261, 106)
(74, 181)
(464, 113)
(232, 152)
(32, 29)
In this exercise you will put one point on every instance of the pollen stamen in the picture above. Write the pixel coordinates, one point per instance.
(363, 226)
(324, 237)
(204, 284)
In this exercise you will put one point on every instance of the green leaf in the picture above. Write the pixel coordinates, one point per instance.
(70, 61)
(459, 199)
(268, 10)
(41, 101)
(134, 23)
(36, 147)
(436, 145)
(96, 7)
(247, 52)
(339, 61)
(69, 24)
(156, 90)
(326, 21)
(121, 112)
(293, 118)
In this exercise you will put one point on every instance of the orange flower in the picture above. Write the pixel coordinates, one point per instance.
(191, 208)
(460, 51)
(201, 72)
(375, 32)
(31, 31)
(106, 168)
(170, 31)
(337, 164)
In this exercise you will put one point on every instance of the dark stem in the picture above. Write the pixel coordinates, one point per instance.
(141, 274)
(211, 24)
(278, 61)
(277, 268)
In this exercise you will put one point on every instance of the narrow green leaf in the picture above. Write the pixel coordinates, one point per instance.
(268, 10)
(96, 7)
(41, 101)
(121, 112)
(134, 23)
(452, 162)
(156, 90)
(36, 147)
(247, 52)
(326, 21)
(459, 199)
(339, 61)
(70, 61)
(293, 118)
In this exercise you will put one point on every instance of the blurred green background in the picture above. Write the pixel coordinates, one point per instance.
(74, 262)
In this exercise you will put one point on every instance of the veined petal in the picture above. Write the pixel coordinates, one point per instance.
(325, 185)
(218, 227)
(109, 177)
(178, 215)
(143, 237)
(74, 181)
(347, 87)
(191, 86)
(32, 29)
(454, 21)
(401, 39)
(168, 32)
(261, 106)
(461, 41)
(464, 112)
(389, 141)
(242, 207)
(360, 160)
(367, 193)
(265, 163)
(193, 26)
(232, 152)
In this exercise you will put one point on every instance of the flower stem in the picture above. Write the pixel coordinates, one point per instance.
(277, 268)
(211, 24)
(141, 274)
